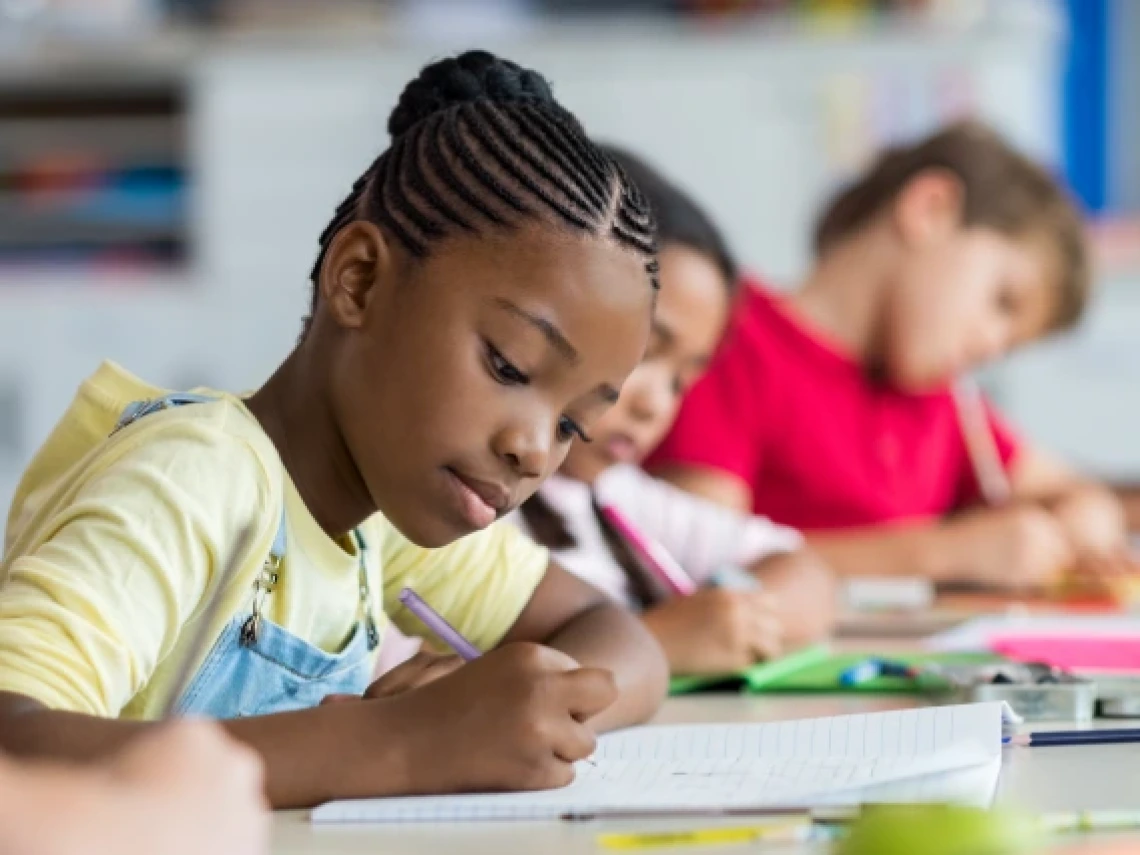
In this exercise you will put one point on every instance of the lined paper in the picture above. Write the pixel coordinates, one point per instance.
(941, 753)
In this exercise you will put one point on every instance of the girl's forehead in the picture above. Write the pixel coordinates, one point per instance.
(576, 272)
(589, 299)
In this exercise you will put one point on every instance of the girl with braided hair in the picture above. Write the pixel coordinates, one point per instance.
(478, 301)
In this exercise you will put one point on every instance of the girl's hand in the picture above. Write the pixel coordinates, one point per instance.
(716, 630)
(804, 593)
(423, 668)
(514, 719)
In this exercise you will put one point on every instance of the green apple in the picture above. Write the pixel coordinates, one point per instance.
(940, 830)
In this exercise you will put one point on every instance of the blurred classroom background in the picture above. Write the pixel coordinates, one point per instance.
(167, 165)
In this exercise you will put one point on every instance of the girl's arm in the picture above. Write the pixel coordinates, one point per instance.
(160, 788)
(511, 720)
(1019, 546)
(300, 750)
(715, 485)
(571, 616)
(704, 537)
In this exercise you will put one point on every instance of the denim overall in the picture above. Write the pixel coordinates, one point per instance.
(256, 667)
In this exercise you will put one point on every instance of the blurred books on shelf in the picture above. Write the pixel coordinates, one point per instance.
(93, 176)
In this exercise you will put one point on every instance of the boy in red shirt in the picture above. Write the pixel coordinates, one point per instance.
(830, 408)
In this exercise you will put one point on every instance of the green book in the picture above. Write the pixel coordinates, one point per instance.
(754, 679)
(823, 676)
(816, 669)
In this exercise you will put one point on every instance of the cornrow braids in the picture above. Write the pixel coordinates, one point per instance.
(480, 143)
(681, 221)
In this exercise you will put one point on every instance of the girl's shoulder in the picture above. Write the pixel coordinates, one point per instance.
(207, 448)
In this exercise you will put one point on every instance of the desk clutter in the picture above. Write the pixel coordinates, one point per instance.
(895, 830)
(1045, 668)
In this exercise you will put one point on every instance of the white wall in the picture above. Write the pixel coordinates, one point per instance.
(760, 125)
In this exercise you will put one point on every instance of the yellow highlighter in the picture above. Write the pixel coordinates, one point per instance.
(793, 831)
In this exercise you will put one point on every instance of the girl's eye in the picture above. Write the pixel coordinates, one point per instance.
(568, 429)
(502, 369)
(1006, 302)
(654, 348)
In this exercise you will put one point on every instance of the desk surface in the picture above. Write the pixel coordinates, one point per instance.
(1072, 778)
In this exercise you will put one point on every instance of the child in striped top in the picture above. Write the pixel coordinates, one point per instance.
(717, 629)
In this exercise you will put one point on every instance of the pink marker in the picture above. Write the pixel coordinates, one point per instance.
(657, 559)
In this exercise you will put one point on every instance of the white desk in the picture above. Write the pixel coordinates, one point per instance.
(1076, 778)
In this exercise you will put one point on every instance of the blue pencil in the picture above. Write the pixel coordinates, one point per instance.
(1049, 738)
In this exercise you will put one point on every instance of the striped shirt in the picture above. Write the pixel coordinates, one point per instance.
(700, 535)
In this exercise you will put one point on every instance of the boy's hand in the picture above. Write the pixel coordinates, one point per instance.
(514, 719)
(717, 630)
(1094, 522)
(1017, 547)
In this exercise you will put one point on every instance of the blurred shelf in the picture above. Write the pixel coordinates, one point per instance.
(1116, 248)
(170, 52)
(39, 283)
(141, 140)
(94, 178)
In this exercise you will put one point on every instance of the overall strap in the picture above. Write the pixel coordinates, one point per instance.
(263, 586)
(138, 409)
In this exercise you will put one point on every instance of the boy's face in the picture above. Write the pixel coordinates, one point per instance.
(472, 371)
(962, 299)
(691, 313)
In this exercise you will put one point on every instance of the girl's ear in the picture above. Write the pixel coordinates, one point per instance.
(929, 207)
(357, 268)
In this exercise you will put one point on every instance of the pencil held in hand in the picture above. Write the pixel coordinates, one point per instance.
(993, 482)
(435, 622)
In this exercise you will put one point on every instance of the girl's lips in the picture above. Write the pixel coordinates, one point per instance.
(620, 448)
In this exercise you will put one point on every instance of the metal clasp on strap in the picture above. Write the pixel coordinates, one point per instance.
(264, 585)
(366, 610)
(266, 582)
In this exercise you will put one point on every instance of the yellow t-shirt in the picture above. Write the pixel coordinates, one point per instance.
(113, 542)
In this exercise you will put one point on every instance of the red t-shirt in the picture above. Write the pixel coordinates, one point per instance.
(820, 444)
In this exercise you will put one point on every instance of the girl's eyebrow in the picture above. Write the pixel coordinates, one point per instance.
(557, 339)
(550, 331)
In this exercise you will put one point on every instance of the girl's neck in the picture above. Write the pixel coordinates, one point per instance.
(843, 296)
(293, 410)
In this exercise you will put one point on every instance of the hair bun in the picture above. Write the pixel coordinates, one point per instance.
(467, 77)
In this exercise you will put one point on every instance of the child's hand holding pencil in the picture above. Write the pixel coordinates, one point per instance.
(423, 668)
(1015, 547)
(517, 718)
(717, 630)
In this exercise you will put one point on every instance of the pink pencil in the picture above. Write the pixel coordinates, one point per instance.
(657, 559)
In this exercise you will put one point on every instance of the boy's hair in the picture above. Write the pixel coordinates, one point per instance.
(1003, 189)
(479, 143)
(680, 219)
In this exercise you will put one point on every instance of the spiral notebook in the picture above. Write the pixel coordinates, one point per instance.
(936, 754)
